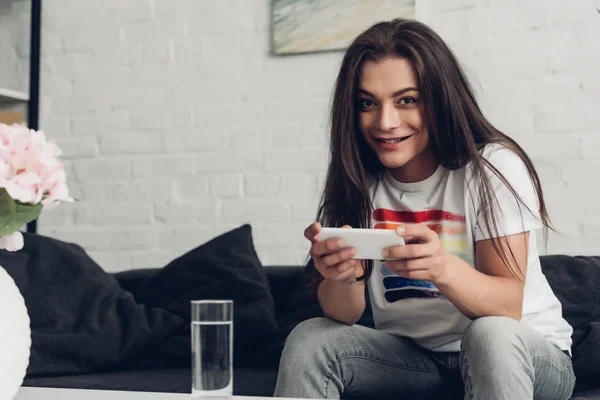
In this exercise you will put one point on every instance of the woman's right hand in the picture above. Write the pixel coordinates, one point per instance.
(332, 260)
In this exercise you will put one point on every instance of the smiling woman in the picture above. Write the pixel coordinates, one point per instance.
(462, 309)
(391, 119)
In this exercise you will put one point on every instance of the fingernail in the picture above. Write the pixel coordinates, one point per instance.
(400, 230)
(385, 253)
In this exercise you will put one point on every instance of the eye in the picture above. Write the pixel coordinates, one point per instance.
(405, 101)
(366, 103)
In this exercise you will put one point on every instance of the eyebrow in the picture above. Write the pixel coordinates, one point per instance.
(396, 93)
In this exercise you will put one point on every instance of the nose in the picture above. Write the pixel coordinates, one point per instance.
(389, 117)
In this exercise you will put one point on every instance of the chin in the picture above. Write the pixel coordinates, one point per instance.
(393, 162)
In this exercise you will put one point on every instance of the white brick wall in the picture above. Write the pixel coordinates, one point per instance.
(178, 125)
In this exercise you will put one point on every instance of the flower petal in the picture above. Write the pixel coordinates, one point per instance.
(12, 242)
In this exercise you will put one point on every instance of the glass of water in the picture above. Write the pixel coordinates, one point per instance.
(212, 348)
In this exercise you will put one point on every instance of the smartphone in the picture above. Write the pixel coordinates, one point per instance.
(369, 243)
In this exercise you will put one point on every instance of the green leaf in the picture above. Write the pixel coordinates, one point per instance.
(13, 214)
(8, 207)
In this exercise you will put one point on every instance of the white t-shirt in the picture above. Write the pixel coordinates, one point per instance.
(447, 202)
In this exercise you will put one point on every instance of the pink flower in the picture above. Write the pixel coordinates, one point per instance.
(30, 173)
(25, 187)
(30, 170)
(12, 242)
(55, 185)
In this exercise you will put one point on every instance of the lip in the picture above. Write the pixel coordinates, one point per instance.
(391, 146)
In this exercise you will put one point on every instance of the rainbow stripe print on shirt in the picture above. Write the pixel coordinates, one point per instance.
(451, 229)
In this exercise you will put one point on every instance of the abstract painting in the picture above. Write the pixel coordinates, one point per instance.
(302, 26)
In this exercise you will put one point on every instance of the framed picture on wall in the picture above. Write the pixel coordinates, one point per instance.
(305, 26)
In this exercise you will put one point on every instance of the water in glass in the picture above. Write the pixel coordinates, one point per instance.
(212, 343)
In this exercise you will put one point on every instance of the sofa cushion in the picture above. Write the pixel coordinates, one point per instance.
(575, 281)
(227, 267)
(81, 319)
(248, 382)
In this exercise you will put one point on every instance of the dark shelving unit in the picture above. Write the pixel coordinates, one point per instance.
(33, 105)
(22, 102)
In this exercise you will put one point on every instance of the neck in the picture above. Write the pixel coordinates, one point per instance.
(418, 169)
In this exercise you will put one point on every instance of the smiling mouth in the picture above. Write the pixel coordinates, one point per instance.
(391, 141)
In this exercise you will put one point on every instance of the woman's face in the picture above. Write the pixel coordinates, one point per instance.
(391, 118)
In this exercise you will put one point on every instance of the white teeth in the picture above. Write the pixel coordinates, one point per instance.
(390, 141)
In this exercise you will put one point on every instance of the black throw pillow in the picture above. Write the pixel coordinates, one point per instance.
(227, 267)
(81, 319)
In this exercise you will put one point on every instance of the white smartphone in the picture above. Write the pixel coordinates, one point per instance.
(369, 243)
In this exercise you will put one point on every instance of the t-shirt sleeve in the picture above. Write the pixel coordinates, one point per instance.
(510, 214)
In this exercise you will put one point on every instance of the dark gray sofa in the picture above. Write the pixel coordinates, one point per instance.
(562, 272)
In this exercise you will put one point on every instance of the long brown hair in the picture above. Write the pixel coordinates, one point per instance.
(457, 129)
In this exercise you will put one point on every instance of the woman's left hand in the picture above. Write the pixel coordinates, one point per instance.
(422, 257)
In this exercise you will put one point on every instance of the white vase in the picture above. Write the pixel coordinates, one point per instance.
(15, 337)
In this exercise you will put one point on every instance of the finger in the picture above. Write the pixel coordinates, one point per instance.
(348, 270)
(410, 240)
(405, 265)
(345, 266)
(338, 257)
(425, 263)
(329, 246)
(416, 231)
(312, 231)
(408, 251)
(343, 277)
(396, 265)
(347, 227)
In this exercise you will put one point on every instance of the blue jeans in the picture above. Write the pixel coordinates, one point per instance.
(500, 359)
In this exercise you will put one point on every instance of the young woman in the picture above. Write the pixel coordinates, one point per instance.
(463, 308)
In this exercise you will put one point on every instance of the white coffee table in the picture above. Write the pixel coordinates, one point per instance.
(34, 393)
